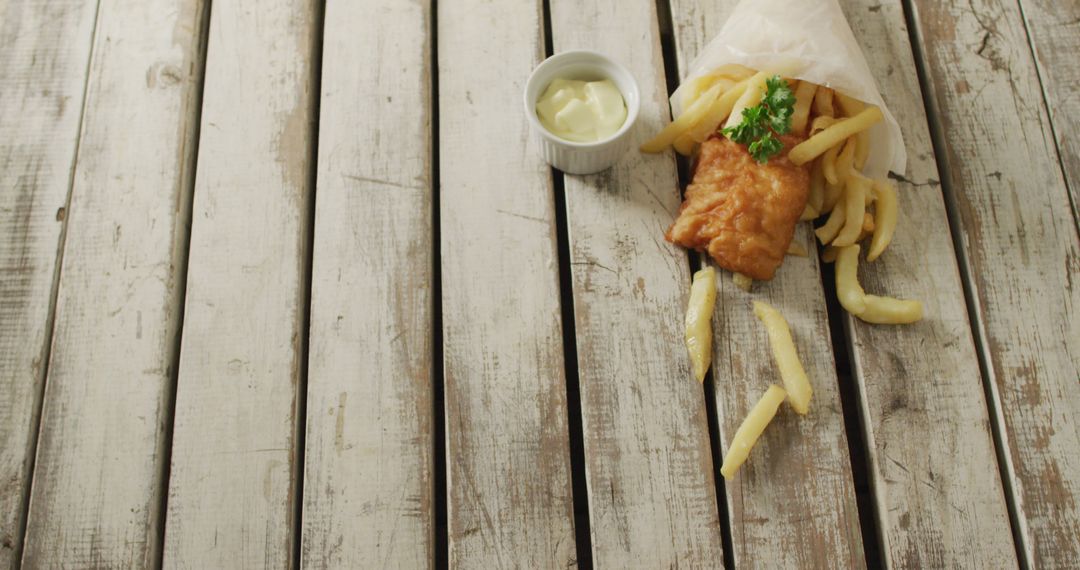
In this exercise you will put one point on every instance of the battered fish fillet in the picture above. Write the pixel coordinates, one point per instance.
(741, 212)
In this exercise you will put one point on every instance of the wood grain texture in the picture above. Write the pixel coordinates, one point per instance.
(1053, 28)
(652, 497)
(368, 480)
(97, 490)
(233, 482)
(800, 470)
(45, 53)
(1023, 255)
(939, 498)
(508, 474)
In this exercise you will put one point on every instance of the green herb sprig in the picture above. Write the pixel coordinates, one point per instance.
(762, 122)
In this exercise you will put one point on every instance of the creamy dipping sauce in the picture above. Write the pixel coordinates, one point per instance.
(582, 111)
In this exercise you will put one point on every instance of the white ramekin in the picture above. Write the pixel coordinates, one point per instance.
(575, 157)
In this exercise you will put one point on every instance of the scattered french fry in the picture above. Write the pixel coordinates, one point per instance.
(742, 281)
(796, 382)
(797, 249)
(889, 311)
(884, 218)
(699, 321)
(751, 429)
(816, 145)
(851, 294)
(829, 254)
(869, 308)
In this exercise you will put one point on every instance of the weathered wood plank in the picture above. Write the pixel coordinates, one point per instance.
(1054, 30)
(652, 497)
(97, 490)
(44, 53)
(233, 484)
(1022, 252)
(508, 475)
(800, 470)
(940, 501)
(368, 480)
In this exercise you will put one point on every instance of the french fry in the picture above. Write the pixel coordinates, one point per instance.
(755, 90)
(827, 233)
(823, 102)
(821, 123)
(889, 311)
(855, 207)
(849, 106)
(829, 254)
(742, 281)
(884, 218)
(828, 164)
(851, 294)
(833, 194)
(718, 111)
(695, 88)
(699, 321)
(796, 383)
(683, 122)
(684, 145)
(809, 213)
(751, 429)
(845, 160)
(804, 96)
(869, 308)
(816, 145)
(867, 228)
(795, 248)
(816, 199)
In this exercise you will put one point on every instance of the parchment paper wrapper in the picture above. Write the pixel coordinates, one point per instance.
(814, 37)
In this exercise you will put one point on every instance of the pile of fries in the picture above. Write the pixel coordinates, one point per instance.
(836, 148)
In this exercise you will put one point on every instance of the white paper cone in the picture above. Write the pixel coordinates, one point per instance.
(815, 36)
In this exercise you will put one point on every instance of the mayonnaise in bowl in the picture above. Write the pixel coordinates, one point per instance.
(582, 111)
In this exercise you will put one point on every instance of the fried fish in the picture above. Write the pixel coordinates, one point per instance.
(741, 212)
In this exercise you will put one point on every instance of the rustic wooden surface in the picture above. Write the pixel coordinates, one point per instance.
(652, 497)
(1022, 254)
(1054, 30)
(801, 470)
(235, 463)
(100, 457)
(370, 226)
(42, 80)
(938, 494)
(508, 491)
(368, 481)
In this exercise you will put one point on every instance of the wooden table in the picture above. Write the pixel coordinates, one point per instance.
(284, 283)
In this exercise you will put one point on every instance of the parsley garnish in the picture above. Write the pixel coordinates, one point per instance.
(762, 122)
